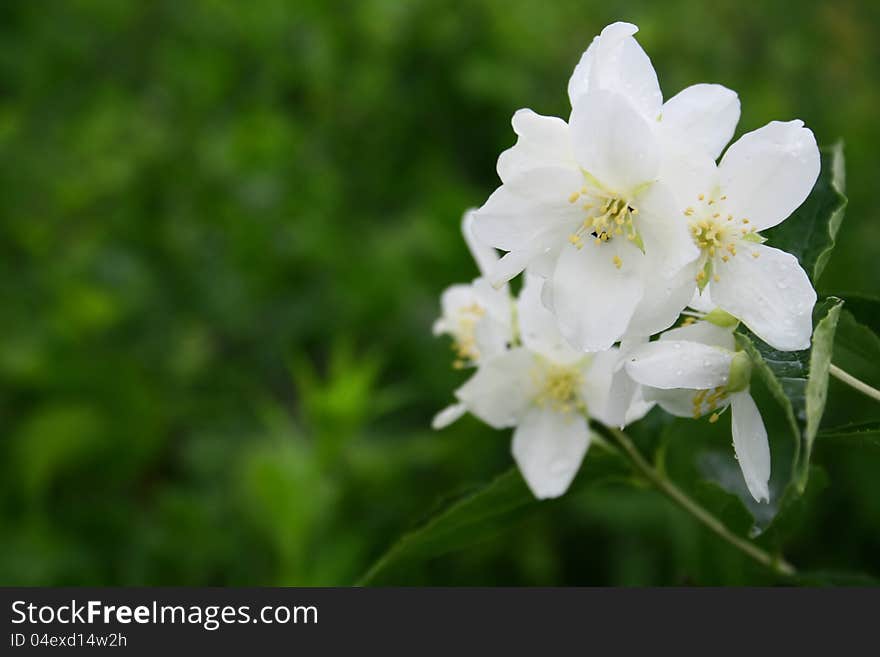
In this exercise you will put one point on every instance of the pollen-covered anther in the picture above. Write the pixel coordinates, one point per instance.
(465, 343)
(617, 262)
(711, 399)
(559, 388)
(707, 234)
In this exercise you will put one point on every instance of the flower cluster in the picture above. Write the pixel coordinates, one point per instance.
(620, 218)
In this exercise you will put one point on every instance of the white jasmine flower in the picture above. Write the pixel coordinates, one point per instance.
(546, 389)
(702, 115)
(591, 210)
(761, 180)
(595, 200)
(695, 370)
(477, 316)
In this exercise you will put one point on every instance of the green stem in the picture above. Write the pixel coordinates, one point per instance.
(853, 382)
(673, 492)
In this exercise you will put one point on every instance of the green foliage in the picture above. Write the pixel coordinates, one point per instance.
(857, 348)
(860, 434)
(798, 381)
(482, 513)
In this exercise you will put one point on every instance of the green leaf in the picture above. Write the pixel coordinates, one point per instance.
(698, 457)
(798, 380)
(792, 512)
(810, 232)
(865, 308)
(858, 434)
(857, 349)
(486, 511)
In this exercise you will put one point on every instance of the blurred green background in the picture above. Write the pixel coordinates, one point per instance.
(225, 228)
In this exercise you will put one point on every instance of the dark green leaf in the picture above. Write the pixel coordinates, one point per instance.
(809, 233)
(792, 511)
(857, 349)
(798, 380)
(699, 458)
(865, 308)
(859, 434)
(486, 511)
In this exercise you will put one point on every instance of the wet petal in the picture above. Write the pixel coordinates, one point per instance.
(501, 389)
(548, 447)
(706, 114)
(767, 174)
(614, 142)
(750, 442)
(679, 364)
(769, 293)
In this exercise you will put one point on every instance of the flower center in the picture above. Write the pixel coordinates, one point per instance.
(717, 234)
(707, 401)
(559, 388)
(464, 342)
(708, 235)
(607, 216)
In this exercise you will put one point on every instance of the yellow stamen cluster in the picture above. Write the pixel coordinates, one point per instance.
(711, 398)
(716, 235)
(559, 388)
(613, 218)
(708, 235)
(464, 344)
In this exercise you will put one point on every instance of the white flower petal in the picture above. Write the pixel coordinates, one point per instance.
(452, 301)
(686, 171)
(768, 173)
(448, 415)
(664, 231)
(501, 389)
(750, 443)
(547, 294)
(548, 447)
(614, 142)
(518, 216)
(513, 263)
(675, 401)
(639, 407)
(538, 327)
(542, 141)
(664, 299)
(702, 301)
(616, 62)
(770, 294)
(706, 114)
(703, 332)
(593, 299)
(484, 255)
(679, 364)
(491, 337)
(544, 264)
(608, 390)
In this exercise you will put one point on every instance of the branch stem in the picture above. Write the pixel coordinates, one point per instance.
(673, 492)
(853, 382)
